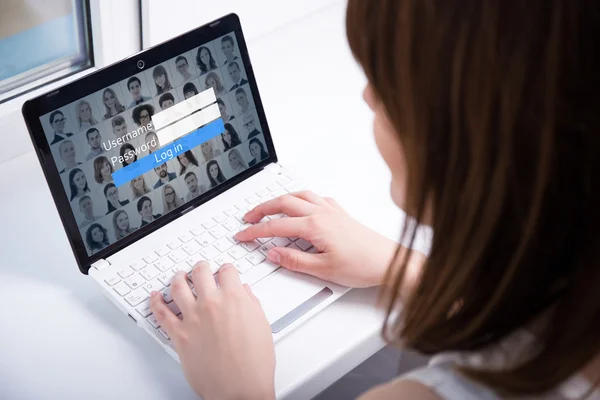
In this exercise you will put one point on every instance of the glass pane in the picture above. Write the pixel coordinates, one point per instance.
(42, 39)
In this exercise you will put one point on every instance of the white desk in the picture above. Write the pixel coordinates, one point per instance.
(59, 336)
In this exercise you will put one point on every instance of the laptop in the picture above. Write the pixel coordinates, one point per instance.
(152, 163)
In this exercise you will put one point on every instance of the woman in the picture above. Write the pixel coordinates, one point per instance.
(257, 150)
(111, 103)
(121, 224)
(85, 117)
(205, 60)
(144, 207)
(142, 114)
(207, 151)
(96, 237)
(236, 162)
(77, 183)
(152, 142)
(223, 109)
(161, 80)
(103, 170)
(171, 200)
(185, 160)
(189, 90)
(230, 137)
(128, 154)
(139, 187)
(486, 113)
(66, 150)
(111, 192)
(215, 175)
(212, 81)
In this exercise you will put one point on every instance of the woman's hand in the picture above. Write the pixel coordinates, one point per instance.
(224, 340)
(349, 253)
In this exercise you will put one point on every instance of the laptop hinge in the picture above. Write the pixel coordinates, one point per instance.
(273, 166)
(101, 264)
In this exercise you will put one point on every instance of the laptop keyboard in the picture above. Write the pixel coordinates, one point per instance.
(212, 241)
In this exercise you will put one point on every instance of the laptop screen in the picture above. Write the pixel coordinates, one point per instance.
(148, 144)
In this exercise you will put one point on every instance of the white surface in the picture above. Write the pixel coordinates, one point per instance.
(61, 338)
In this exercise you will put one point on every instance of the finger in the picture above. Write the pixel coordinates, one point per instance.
(203, 279)
(229, 277)
(333, 203)
(181, 293)
(163, 314)
(250, 294)
(282, 227)
(311, 197)
(289, 205)
(296, 260)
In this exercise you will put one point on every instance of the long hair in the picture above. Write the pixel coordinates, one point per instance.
(127, 147)
(118, 106)
(190, 157)
(220, 177)
(93, 245)
(73, 186)
(98, 164)
(263, 153)
(177, 201)
(235, 138)
(239, 157)
(121, 233)
(203, 67)
(158, 71)
(496, 106)
(92, 120)
(220, 88)
(139, 192)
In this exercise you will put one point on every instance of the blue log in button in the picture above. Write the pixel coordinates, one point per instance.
(181, 145)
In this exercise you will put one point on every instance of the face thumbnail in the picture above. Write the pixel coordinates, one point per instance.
(227, 48)
(192, 183)
(59, 123)
(255, 150)
(145, 117)
(234, 73)
(97, 235)
(146, 211)
(135, 89)
(122, 221)
(94, 139)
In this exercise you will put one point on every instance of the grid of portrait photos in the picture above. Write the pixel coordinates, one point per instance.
(80, 136)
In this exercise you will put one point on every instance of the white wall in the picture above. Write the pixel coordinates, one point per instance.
(163, 19)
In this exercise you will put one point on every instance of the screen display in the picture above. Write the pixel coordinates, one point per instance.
(107, 148)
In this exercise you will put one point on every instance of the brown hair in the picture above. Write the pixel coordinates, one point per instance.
(496, 104)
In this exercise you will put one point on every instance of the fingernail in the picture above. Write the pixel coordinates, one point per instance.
(274, 256)
(153, 293)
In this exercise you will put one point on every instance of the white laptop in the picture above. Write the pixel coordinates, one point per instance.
(152, 163)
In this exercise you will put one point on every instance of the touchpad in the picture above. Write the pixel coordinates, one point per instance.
(285, 296)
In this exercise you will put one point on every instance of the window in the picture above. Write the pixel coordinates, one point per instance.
(42, 41)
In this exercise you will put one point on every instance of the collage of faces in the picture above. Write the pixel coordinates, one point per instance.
(80, 136)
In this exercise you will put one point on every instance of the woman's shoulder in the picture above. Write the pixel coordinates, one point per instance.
(400, 389)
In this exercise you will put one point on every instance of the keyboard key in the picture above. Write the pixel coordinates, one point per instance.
(280, 192)
(250, 246)
(292, 175)
(240, 217)
(121, 288)
(175, 244)
(224, 259)
(162, 251)
(136, 266)
(262, 193)
(125, 272)
(113, 280)
(166, 294)
(258, 272)
(294, 247)
(218, 231)
(312, 250)
(195, 259)
(136, 297)
(197, 231)
(178, 256)
(232, 224)
(252, 199)
(293, 239)
(243, 266)
(144, 308)
(192, 247)
(135, 281)
(173, 307)
(210, 252)
(280, 242)
(153, 321)
(186, 237)
(284, 180)
(162, 331)
(220, 217)
(231, 211)
(303, 244)
(205, 239)
(237, 252)
(182, 267)
(231, 237)
(241, 205)
(209, 224)
(264, 240)
(166, 277)
(150, 258)
(153, 285)
(273, 187)
(149, 273)
(277, 216)
(256, 257)
(223, 245)
(266, 247)
(164, 264)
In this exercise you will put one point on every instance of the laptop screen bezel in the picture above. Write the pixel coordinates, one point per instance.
(41, 105)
